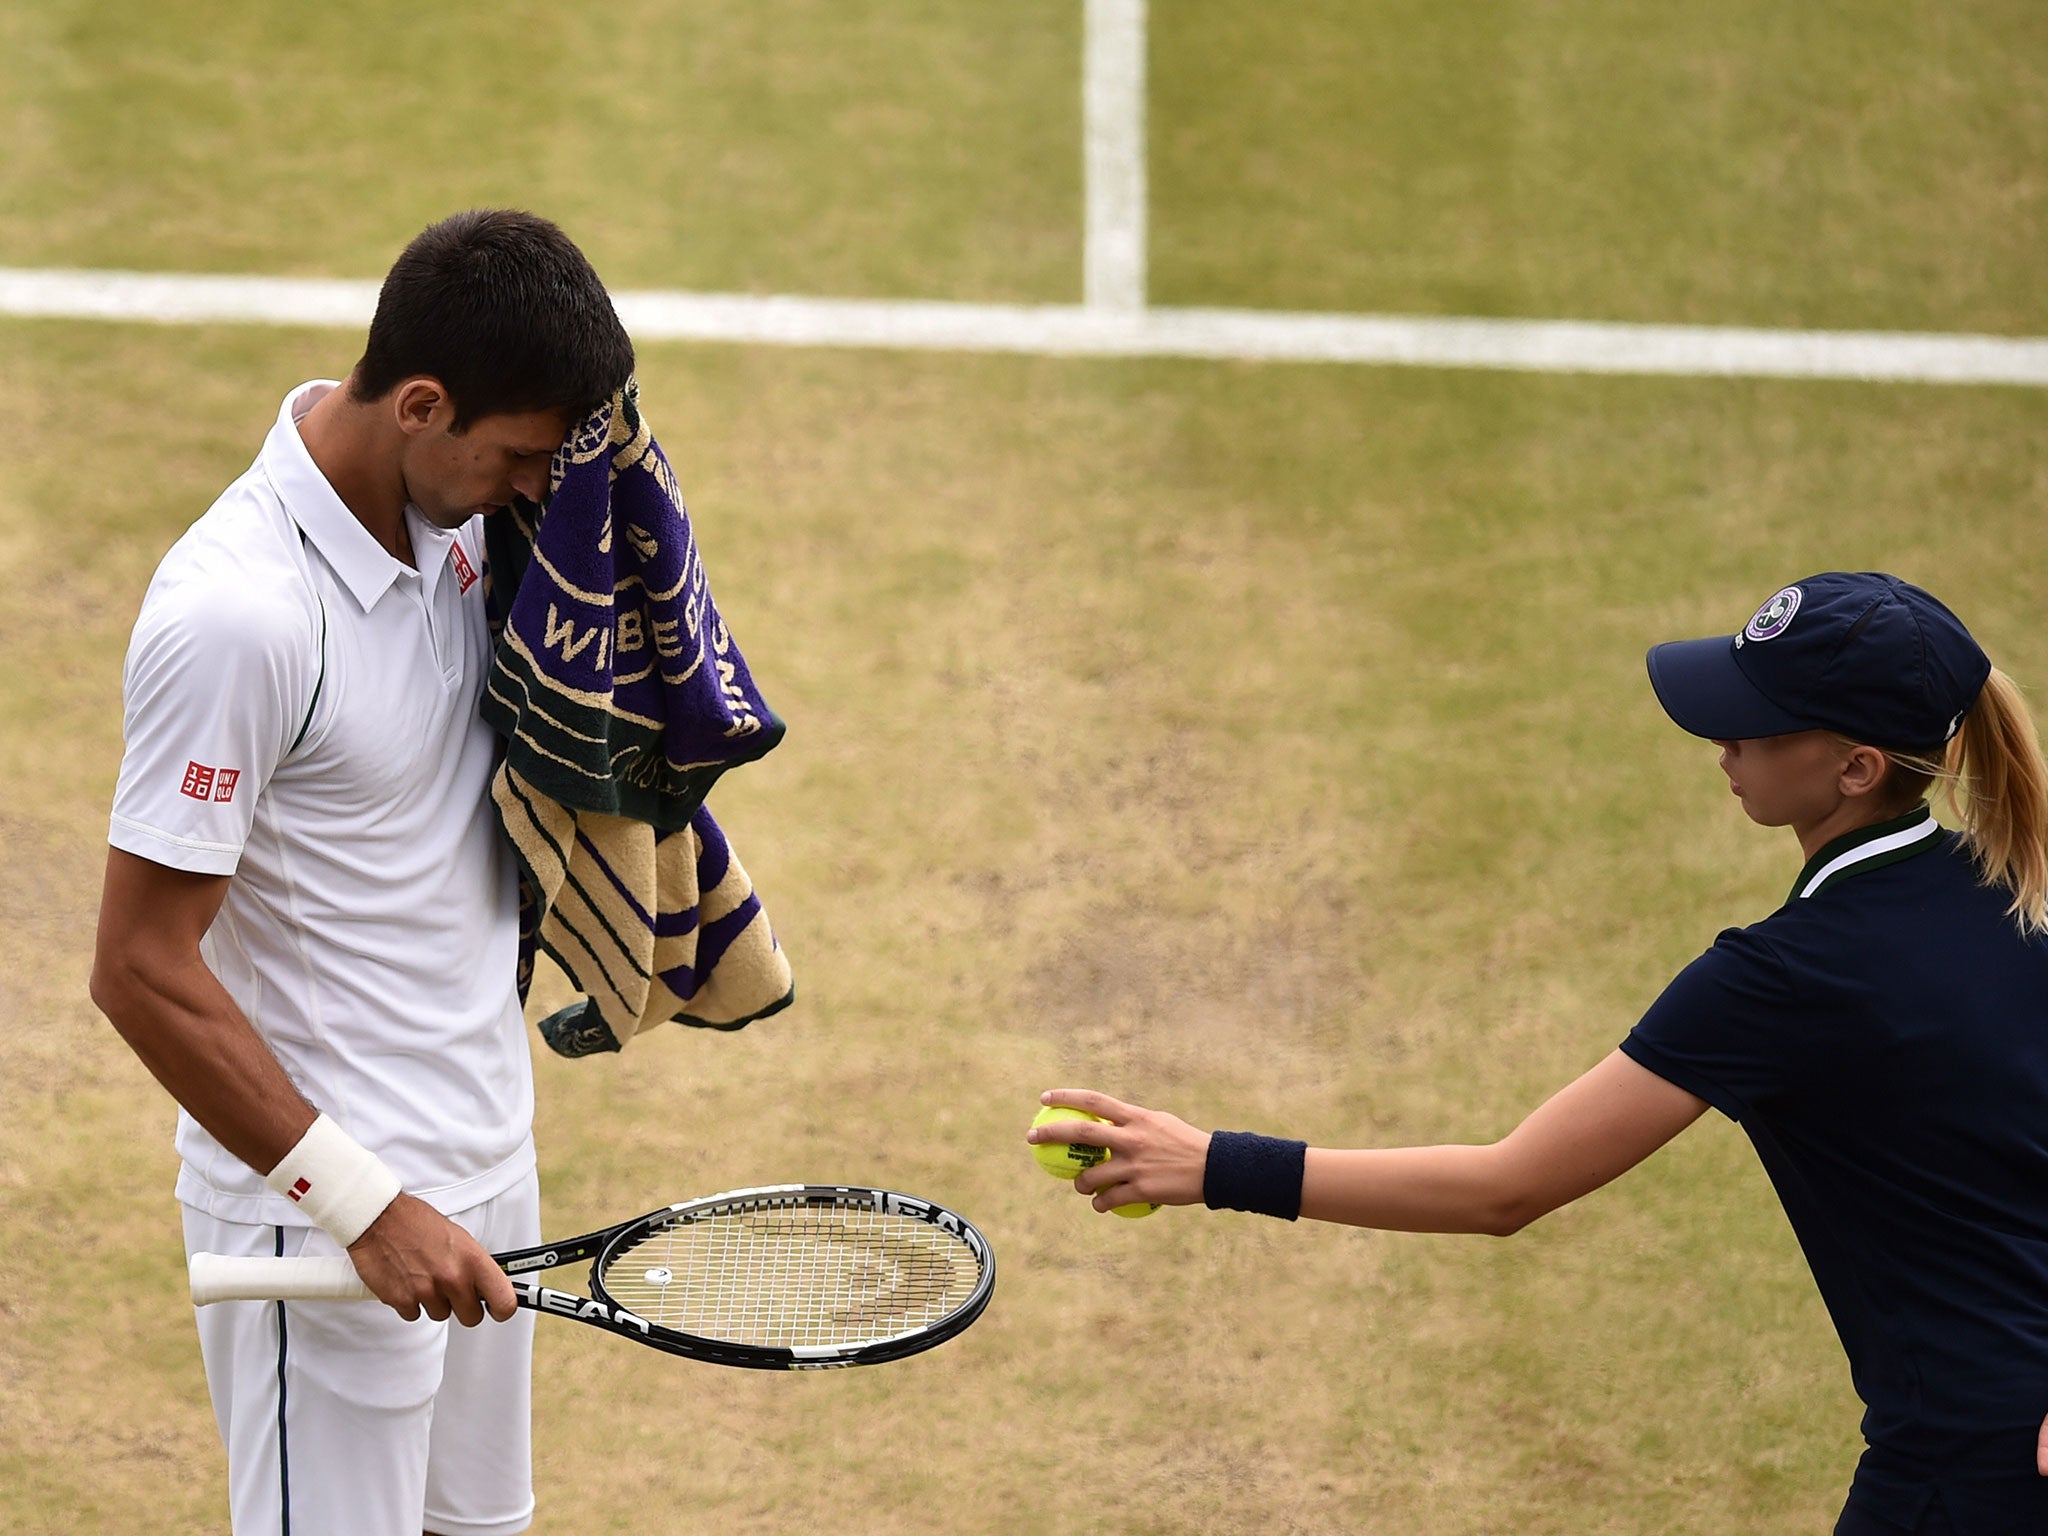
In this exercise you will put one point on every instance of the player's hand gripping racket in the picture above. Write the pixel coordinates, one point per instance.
(790, 1277)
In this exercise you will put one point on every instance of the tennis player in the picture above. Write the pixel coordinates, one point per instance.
(1882, 1037)
(308, 930)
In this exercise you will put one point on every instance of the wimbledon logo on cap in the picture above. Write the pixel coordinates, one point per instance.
(1775, 617)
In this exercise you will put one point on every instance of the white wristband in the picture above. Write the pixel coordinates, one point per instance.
(342, 1185)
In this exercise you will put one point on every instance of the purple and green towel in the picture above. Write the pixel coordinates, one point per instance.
(622, 698)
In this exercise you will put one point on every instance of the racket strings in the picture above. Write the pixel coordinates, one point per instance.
(794, 1275)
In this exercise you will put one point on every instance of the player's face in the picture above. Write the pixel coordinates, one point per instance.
(451, 476)
(1786, 781)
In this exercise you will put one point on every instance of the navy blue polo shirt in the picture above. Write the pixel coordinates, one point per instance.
(1883, 1040)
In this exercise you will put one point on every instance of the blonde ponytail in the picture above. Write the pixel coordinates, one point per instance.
(1995, 778)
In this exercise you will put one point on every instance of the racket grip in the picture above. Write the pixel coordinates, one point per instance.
(220, 1277)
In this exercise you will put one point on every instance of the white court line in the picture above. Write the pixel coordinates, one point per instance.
(1113, 155)
(1537, 346)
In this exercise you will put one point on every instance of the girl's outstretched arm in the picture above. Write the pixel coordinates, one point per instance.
(1589, 1132)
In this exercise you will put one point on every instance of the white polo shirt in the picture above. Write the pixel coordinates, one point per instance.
(301, 714)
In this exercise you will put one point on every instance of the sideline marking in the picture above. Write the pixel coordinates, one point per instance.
(1113, 155)
(1070, 330)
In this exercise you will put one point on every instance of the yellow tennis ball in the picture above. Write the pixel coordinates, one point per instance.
(1069, 1160)
(1061, 1159)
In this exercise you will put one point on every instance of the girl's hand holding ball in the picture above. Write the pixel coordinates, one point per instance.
(1138, 1159)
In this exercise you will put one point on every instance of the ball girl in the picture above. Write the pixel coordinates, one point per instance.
(1882, 1038)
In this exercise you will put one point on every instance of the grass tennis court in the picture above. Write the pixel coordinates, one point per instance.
(1268, 743)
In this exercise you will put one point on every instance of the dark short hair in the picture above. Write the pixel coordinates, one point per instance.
(503, 309)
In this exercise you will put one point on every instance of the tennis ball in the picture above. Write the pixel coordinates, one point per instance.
(1068, 1160)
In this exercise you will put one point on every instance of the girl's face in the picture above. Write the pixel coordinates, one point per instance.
(1787, 781)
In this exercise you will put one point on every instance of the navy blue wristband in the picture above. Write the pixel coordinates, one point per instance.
(1246, 1172)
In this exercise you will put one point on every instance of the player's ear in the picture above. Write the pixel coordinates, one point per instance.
(420, 403)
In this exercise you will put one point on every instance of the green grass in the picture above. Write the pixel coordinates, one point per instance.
(1270, 743)
(922, 150)
(1826, 164)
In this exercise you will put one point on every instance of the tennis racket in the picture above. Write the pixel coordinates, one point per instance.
(791, 1277)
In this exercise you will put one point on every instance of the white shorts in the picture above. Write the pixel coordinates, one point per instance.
(342, 1419)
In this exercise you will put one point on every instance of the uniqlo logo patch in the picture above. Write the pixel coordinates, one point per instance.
(204, 783)
(298, 1189)
(465, 573)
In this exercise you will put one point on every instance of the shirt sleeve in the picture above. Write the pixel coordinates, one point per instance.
(217, 683)
(1725, 1027)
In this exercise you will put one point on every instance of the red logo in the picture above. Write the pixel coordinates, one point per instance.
(298, 1189)
(204, 783)
(465, 573)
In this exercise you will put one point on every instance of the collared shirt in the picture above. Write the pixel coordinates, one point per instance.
(1883, 1040)
(301, 714)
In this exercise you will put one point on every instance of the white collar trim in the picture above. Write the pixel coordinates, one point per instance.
(1891, 842)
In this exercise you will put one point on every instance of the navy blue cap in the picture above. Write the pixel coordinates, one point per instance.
(1857, 652)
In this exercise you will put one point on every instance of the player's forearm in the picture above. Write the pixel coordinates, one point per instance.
(180, 1021)
(1417, 1189)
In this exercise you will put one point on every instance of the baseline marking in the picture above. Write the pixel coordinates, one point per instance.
(1535, 346)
